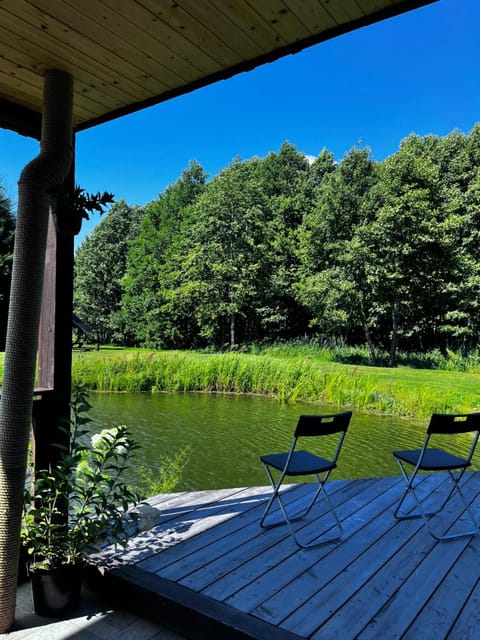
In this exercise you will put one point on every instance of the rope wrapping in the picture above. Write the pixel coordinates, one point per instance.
(45, 172)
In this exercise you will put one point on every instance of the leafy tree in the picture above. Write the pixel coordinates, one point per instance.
(464, 319)
(323, 164)
(150, 265)
(386, 253)
(462, 324)
(332, 279)
(409, 245)
(7, 234)
(224, 265)
(100, 264)
(289, 183)
(456, 157)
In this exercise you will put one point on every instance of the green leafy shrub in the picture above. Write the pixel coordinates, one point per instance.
(88, 483)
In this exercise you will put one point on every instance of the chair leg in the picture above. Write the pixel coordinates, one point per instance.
(299, 516)
(456, 487)
(409, 490)
(427, 516)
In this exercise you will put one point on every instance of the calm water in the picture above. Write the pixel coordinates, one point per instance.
(227, 433)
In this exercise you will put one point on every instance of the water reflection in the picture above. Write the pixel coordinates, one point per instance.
(227, 433)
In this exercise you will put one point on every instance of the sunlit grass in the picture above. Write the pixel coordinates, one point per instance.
(289, 378)
(290, 375)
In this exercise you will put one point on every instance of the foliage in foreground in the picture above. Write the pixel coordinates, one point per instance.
(89, 480)
(165, 476)
(93, 481)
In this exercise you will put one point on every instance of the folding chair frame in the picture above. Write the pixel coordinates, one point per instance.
(326, 467)
(440, 424)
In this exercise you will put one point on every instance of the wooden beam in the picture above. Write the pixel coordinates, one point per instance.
(55, 336)
(24, 121)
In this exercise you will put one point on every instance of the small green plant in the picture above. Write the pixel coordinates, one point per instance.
(88, 484)
(163, 478)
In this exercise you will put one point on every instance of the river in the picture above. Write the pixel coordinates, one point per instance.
(226, 434)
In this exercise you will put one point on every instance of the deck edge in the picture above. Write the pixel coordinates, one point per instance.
(180, 607)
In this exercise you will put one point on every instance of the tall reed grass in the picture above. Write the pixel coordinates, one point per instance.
(290, 378)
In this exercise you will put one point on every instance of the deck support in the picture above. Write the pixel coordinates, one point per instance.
(44, 174)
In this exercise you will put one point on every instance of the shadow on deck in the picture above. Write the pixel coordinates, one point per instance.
(210, 570)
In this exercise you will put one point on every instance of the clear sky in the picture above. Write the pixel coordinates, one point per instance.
(419, 72)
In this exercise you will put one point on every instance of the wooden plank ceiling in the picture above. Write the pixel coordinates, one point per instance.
(128, 54)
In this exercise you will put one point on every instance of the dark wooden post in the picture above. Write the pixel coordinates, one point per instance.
(55, 334)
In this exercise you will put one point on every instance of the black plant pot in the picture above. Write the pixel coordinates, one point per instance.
(56, 591)
(22, 566)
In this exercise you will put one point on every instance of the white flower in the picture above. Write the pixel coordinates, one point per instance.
(95, 439)
(106, 437)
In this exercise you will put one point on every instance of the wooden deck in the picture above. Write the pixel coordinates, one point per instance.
(209, 562)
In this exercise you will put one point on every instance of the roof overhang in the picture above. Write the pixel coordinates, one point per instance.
(125, 55)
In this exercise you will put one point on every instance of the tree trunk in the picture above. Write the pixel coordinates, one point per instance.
(232, 329)
(47, 171)
(371, 347)
(392, 361)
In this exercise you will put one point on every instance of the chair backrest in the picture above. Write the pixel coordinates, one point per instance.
(454, 423)
(322, 425)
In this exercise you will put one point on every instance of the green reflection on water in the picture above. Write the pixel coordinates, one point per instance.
(227, 434)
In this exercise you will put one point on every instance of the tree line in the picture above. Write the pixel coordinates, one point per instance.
(385, 254)
(7, 235)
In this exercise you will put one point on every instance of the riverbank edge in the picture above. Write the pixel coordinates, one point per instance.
(401, 391)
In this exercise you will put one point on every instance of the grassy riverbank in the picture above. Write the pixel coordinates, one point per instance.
(289, 378)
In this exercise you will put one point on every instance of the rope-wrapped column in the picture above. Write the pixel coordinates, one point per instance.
(47, 171)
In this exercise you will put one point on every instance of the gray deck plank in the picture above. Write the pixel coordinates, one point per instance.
(417, 588)
(440, 612)
(467, 624)
(367, 610)
(384, 579)
(359, 554)
(182, 517)
(357, 515)
(272, 547)
(219, 540)
(248, 548)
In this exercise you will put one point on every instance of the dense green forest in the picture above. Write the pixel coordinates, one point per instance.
(359, 252)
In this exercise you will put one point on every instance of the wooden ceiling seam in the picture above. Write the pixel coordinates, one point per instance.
(175, 43)
(122, 51)
(34, 50)
(65, 43)
(241, 42)
(151, 48)
(301, 9)
(282, 20)
(194, 31)
(365, 20)
(126, 55)
(83, 93)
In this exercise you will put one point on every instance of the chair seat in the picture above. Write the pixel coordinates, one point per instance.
(301, 463)
(433, 460)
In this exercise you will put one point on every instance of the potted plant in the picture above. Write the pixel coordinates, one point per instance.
(82, 502)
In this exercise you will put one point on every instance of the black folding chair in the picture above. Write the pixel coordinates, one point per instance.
(431, 459)
(304, 463)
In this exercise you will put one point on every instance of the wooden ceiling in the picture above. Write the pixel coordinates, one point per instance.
(128, 54)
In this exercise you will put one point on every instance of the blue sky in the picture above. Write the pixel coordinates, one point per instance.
(418, 72)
